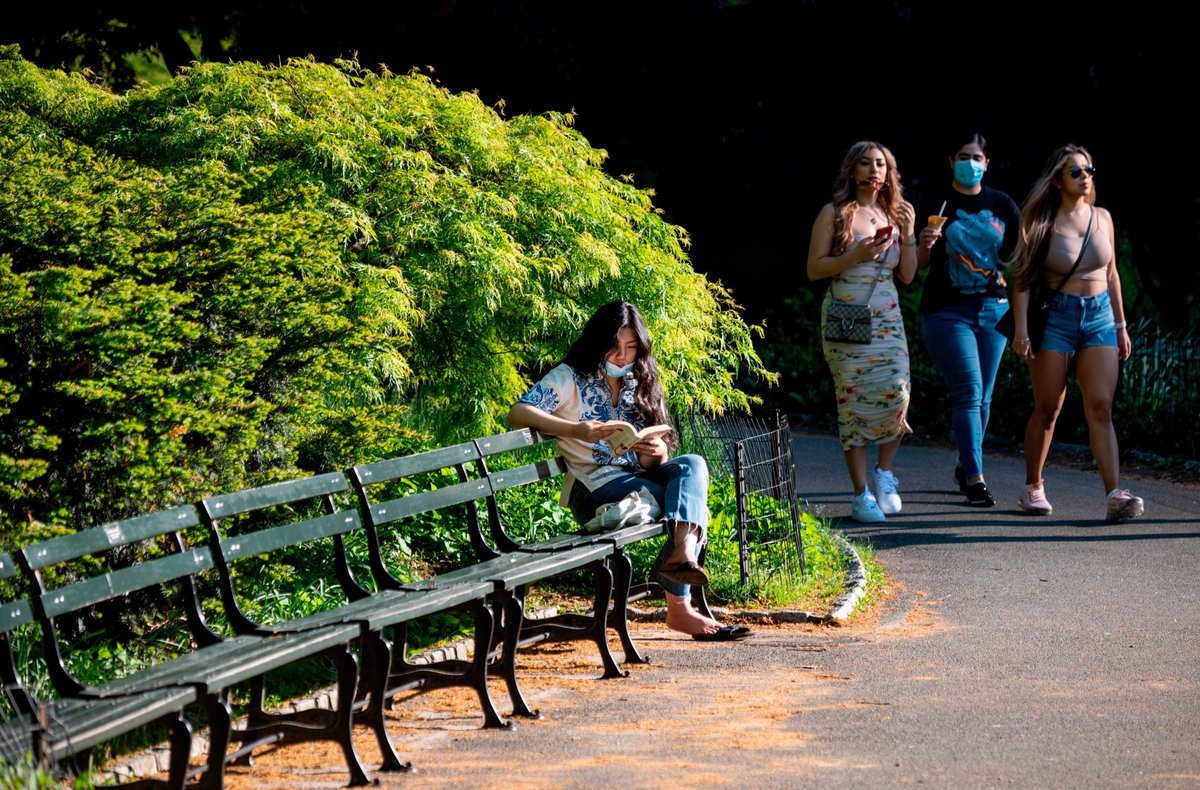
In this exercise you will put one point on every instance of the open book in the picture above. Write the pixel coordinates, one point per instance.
(620, 441)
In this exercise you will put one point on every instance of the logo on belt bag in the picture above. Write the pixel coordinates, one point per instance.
(848, 323)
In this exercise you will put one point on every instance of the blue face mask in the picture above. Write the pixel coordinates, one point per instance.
(617, 372)
(968, 172)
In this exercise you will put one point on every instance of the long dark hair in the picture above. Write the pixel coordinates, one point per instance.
(965, 140)
(598, 337)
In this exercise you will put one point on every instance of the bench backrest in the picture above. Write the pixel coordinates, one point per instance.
(71, 576)
(511, 446)
(275, 524)
(377, 483)
(15, 613)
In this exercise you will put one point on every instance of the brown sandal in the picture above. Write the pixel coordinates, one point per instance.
(686, 572)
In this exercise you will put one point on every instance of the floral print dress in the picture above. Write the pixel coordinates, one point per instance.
(871, 380)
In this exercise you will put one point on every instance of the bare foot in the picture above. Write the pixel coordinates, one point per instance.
(683, 618)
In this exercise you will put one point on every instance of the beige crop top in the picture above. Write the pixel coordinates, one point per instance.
(1063, 251)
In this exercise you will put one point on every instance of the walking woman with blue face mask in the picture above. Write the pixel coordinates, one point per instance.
(609, 373)
(971, 230)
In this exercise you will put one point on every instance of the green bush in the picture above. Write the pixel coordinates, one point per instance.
(249, 272)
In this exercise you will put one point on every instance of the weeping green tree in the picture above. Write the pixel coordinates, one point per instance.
(254, 271)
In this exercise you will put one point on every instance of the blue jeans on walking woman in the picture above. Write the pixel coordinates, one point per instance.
(964, 343)
(681, 487)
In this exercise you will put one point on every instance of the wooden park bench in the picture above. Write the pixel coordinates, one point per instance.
(65, 731)
(513, 450)
(262, 529)
(124, 569)
(440, 480)
(134, 571)
(509, 564)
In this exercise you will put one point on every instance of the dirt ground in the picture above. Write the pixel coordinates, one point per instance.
(435, 729)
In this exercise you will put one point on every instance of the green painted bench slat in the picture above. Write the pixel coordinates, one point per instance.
(426, 501)
(287, 492)
(264, 541)
(529, 473)
(506, 442)
(418, 463)
(89, 592)
(110, 535)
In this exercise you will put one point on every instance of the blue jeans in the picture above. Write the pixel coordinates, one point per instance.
(681, 488)
(1077, 322)
(965, 346)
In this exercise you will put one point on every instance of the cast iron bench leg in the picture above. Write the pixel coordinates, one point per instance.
(604, 589)
(347, 670)
(619, 617)
(181, 749)
(220, 730)
(485, 624)
(377, 659)
(512, 615)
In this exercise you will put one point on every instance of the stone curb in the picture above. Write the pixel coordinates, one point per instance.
(855, 585)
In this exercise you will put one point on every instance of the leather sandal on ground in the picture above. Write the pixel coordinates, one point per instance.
(686, 572)
(727, 633)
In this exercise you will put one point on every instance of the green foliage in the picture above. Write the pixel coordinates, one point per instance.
(248, 271)
(28, 775)
(775, 580)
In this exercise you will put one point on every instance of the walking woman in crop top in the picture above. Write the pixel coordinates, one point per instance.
(1086, 321)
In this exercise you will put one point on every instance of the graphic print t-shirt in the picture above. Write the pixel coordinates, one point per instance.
(968, 261)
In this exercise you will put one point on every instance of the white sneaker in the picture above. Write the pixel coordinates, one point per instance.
(864, 508)
(885, 484)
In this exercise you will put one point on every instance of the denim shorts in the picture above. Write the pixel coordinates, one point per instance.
(1077, 322)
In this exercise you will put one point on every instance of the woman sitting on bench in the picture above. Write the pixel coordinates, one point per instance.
(610, 374)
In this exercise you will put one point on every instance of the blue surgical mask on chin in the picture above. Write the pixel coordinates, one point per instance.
(617, 372)
(968, 172)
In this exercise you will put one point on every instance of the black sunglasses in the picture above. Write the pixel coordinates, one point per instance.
(1076, 171)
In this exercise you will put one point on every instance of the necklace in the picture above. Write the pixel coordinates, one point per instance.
(875, 215)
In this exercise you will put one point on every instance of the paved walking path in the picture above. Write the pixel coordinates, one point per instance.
(1014, 651)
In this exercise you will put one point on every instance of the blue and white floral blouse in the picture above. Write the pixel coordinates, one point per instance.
(566, 393)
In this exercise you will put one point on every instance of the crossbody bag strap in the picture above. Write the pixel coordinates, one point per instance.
(1082, 249)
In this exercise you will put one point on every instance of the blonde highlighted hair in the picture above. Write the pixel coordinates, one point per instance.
(845, 189)
(1037, 217)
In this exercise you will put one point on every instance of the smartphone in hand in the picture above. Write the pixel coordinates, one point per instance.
(883, 234)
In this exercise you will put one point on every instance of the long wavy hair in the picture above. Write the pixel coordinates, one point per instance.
(598, 337)
(845, 205)
(1037, 217)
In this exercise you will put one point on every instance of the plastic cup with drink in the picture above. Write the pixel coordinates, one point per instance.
(936, 221)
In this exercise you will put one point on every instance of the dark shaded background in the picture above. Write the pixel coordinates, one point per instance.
(738, 113)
